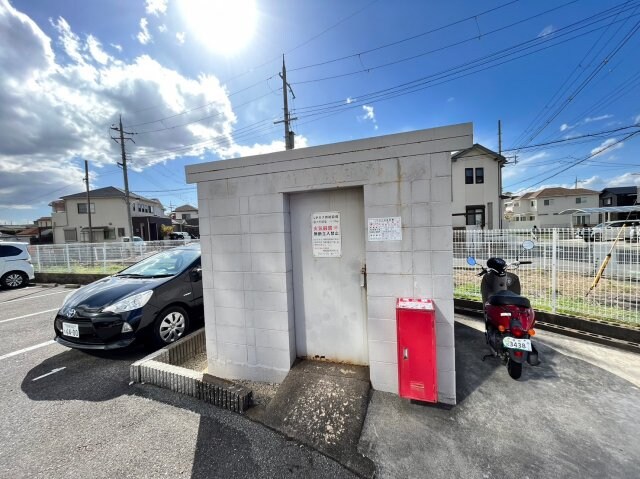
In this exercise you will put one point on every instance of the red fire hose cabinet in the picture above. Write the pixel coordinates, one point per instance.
(417, 368)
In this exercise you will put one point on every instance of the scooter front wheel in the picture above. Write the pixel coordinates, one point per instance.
(515, 369)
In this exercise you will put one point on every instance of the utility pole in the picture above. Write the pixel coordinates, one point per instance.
(288, 134)
(124, 171)
(86, 180)
(500, 165)
(578, 181)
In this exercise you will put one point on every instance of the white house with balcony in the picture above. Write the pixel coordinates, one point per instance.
(109, 221)
(476, 180)
(542, 208)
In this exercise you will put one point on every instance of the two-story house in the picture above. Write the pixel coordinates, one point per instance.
(542, 208)
(620, 196)
(476, 177)
(109, 221)
(185, 218)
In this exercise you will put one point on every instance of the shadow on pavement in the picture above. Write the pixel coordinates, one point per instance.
(472, 372)
(80, 376)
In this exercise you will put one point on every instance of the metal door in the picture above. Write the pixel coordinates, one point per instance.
(329, 292)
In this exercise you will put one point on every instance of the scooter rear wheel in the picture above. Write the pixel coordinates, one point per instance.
(515, 369)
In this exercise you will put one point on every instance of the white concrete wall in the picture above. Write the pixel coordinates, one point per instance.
(245, 238)
(476, 194)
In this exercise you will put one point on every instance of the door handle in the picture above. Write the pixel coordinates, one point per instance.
(363, 276)
(405, 353)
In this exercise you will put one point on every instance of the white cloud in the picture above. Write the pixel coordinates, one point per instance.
(95, 49)
(608, 145)
(236, 151)
(597, 118)
(180, 36)
(349, 100)
(55, 109)
(116, 46)
(627, 179)
(156, 7)
(565, 126)
(144, 36)
(546, 31)
(369, 114)
(162, 28)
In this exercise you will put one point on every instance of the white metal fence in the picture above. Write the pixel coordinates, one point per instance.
(562, 270)
(558, 280)
(94, 257)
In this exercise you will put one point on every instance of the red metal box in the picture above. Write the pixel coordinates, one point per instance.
(417, 368)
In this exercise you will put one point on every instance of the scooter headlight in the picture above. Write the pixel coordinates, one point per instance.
(130, 303)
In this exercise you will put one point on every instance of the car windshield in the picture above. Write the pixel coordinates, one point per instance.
(167, 263)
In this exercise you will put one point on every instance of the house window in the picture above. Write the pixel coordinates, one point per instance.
(608, 201)
(516, 204)
(548, 202)
(532, 218)
(186, 216)
(475, 216)
(120, 232)
(70, 235)
(582, 220)
(533, 203)
(468, 176)
(479, 175)
(109, 234)
(82, 208)
(580, 200)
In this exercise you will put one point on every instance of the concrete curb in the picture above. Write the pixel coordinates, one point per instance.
(161, 369)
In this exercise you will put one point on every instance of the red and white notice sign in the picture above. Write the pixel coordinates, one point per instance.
(326, 237)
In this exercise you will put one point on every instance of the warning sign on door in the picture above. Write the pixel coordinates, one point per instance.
(385, 229)
(326, 238)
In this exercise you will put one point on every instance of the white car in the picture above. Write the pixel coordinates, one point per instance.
(16, 269)
(609, 230)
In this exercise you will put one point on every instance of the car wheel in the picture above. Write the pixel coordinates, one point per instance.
(14, 279)
(171, 325)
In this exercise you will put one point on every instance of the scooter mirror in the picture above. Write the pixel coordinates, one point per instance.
(471, 261)
(528, 244)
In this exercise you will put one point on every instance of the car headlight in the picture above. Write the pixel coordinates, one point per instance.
(130, 303)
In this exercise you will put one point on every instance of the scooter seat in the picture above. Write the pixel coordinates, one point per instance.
(506, 298)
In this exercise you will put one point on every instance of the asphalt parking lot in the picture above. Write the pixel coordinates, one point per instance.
(67, 414)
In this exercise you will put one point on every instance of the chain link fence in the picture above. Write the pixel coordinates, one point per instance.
(94, 258)
(563, 269)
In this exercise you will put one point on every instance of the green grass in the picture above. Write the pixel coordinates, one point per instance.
(82, 269)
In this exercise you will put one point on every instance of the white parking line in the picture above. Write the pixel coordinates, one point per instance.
(53, 371)
(28, 315)
(24, 298)
(30, 348)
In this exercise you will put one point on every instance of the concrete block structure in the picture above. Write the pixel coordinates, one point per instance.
(304, 253)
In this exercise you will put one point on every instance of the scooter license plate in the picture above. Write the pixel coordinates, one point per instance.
(515, 343)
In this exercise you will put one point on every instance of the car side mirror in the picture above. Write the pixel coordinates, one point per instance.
(196, 274)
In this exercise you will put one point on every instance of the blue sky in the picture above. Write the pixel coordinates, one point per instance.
(196, 83)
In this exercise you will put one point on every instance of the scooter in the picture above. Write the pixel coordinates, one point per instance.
(508, 316)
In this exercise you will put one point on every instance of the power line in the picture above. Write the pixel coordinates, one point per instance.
(577, 162)
(457, 70)
(435, 50)
(584, 83)
(561, 90)
(414, 86)
(403, 40)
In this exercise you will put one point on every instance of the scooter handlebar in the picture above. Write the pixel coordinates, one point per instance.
(525, 262)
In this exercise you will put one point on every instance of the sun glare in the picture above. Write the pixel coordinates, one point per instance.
(225, 26)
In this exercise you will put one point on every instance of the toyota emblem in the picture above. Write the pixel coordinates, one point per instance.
(71, 313)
